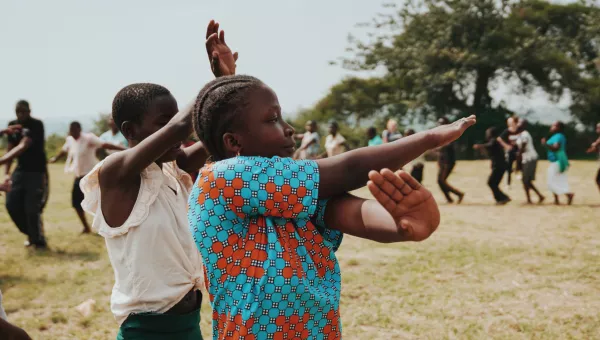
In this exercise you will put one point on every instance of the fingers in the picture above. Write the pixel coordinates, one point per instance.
(215, 63)
(235, 56)
(396, 183)
(466, 122)
(210, 28)
(409, 180)
(222, 36)
(386, 202)
(386, 181)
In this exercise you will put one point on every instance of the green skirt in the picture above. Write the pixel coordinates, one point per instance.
(152, 326)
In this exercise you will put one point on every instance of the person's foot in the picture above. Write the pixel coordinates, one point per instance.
(542, 199)
(570, 198)
(529, 202)
(461, 197)
(504, 201)
(86, 231)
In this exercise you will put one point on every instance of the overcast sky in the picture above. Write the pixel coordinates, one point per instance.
(70, 57)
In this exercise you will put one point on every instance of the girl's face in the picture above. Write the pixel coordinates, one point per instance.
(263, 131)
(158, 114)
(554, 127)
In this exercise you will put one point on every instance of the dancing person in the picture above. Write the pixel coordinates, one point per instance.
(81, 149)
(558, 181)
(310, 145)
(495, 152)
(373, 137)
(139, 201)
(28, 194)
(391, 134)
(113, 136)
(418, 164)
(446, 163)
(268, 226)
(508, 140)
(335, 143)
(529, 158)
(595, 147)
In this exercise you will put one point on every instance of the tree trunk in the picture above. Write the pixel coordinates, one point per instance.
(481, 102)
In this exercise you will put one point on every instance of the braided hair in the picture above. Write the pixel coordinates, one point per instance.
(217, 109)
(132, 101)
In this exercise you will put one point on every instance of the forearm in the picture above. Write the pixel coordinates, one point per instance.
(363, 218)
(503, 143)
(109, 146)
(348, 171)
(12, 154)
(193, 157)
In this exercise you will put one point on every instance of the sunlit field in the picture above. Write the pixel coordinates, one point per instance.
(489, 272)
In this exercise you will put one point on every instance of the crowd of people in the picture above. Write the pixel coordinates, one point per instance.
(259, 227)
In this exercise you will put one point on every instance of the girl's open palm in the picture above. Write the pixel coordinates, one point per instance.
(222, 61)
(412, 206)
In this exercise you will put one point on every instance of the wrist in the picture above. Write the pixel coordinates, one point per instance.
(431, 140)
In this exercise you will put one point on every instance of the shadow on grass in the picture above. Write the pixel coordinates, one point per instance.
(63, 255)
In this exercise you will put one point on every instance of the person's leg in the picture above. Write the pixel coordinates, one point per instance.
(540, 196)
(556, 199)
(442, 175)
(76, 199)
(417, 172)
(15, 201)
(494, 182)
(449, 187)
(527, 188)
(509, 168)
(34, 197)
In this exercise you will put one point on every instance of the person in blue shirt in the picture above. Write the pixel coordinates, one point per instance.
(558, 181)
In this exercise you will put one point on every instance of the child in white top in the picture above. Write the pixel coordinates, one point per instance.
(139, 199)
(335, 143)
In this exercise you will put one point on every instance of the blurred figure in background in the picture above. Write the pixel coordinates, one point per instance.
(374, 138)
(311, 142)
(558, 181)
(391, 133)
(496, 154)
(113, 136)
(595, 147)
(335, 143)
(446, 163)
(508, 140)
(418, 164)
(528, 157)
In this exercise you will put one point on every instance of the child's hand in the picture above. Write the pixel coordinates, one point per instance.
(411, 205)
(222, 61)
(446, 134)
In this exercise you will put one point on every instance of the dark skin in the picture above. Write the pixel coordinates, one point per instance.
(157, 139)
(12, 332)
(266, 134)
(521, 126)
(595, 147)
(556, 128)
(23, 114)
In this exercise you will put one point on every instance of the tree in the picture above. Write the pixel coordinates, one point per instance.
(101, 124)
(446, 55)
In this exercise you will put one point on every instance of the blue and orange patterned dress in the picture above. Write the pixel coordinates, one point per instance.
(270, 265)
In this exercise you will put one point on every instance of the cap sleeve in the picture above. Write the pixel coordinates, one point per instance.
(149, 189)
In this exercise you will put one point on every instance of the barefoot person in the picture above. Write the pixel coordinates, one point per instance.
(25, 201)
(595, 147)
(495, 152)
(446, 163)
(558, 181)
(81, 149)
(529, 158)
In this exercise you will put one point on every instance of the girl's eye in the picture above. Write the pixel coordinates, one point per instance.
(273, 120)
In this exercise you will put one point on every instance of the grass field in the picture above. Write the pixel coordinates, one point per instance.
(510, 272)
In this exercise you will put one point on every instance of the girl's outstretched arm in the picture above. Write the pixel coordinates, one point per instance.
(349, 171)
(131, 162)
(403, 210)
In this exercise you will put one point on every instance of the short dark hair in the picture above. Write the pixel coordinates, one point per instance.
(372, 131)
(409, 132)
(216, 108)
(132, 101)
(23, 102)
(75, 124)
(444, 120)
(334, 124)
(560, 125)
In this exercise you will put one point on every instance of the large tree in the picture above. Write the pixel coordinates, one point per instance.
(447, 55)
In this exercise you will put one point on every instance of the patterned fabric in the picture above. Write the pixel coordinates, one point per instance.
(270, 263)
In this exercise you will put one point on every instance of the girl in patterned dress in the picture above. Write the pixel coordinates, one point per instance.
(268, 226)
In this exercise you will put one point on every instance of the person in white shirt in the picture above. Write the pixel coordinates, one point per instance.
(529, 157)
(335, 143)
(80, 148)
(113, 136)
(310, 145)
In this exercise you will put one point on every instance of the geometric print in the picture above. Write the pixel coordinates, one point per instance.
(270, 265)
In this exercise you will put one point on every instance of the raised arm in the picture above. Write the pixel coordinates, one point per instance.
(403, 210)
(129, 163)
(193, 157)
(58, 156)
(595, 146)
(349, 171)
(15, 151)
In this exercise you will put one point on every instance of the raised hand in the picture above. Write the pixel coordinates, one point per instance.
(412, 206)
(222, 61)
(447, 134)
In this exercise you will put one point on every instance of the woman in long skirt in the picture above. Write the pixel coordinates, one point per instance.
(558, 181)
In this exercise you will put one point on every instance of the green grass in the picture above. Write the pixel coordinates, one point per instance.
(510, 272)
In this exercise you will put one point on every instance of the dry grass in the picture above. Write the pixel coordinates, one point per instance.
(511, 272)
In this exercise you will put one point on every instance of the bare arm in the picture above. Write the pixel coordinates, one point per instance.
(594, 147)
(403, 210)
(349, 171)
(58, 156)
(8, 163)
(504, 144)
(109, 146)
(14, 152)
(193, 157)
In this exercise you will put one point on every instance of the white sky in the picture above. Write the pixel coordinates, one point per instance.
(70, 57)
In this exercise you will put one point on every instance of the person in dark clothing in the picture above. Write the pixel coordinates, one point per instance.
(495, 152)
(446, 163)
(508, 140)
(418, 164)
(27, 196)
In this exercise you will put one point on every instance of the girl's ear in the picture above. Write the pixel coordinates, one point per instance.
(128, 130)
(231, 143)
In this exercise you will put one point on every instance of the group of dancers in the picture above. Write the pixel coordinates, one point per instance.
(258, 229)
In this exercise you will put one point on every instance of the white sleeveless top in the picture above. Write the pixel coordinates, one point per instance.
(153, 255)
